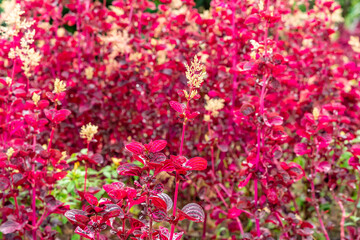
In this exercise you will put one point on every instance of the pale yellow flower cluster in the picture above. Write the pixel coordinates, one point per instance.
(14, 25)
(195, 73)
(261, 5)
(36, 98)
(176, 4)
(260, 48)
(316, 113)
(119, 41)
(89, 72)
(354, 43)
(214, 105)
(59, 86)
(88, 131)
(10, 152)
(13, 22)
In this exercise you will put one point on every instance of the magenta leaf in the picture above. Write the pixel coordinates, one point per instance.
(252, 19)
(4, 183)
(179, 107)
(10, 227)
(159, 215)
(129, 169)
(61, 115)
(135, 147)
(167, 200)
(245, 182)
(71, 214)
(197, 163)
(156, 146)
(247, 109)
(194, 211)
(91, 199)
(84, 233)
(301, 149)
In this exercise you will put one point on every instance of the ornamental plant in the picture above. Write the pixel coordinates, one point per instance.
(264, 144)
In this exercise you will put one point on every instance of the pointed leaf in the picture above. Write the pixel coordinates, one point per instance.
(61, 115)
(179, 107)
(71, 214)
(195, 211)
(197, 163)
(167, 199)
(156, 146)
(84, 233)
(91, 199)
(129, 169)
(10, 227)
(135, 147)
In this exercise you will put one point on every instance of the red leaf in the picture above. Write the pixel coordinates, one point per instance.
(234, 213)
(197, 163)
(91, 199)
(4, 183)
(194, 211)
(159, 215)
(61, 115)
(135, 147)
(71, 214)
(167, 200)
(166, 166)
(158, 203)
(252, 19)
(156, 146)
(247, 109)
(82, 218)
(60, 175)
(179, 107)
(129, 169)
(84, 233)
(10, 227)
(301, 149)
(243, 183)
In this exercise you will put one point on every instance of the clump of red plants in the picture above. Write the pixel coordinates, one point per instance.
(236, 122)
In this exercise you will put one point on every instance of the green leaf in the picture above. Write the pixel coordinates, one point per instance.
(107, 174)
(75, 237)
(70, 187)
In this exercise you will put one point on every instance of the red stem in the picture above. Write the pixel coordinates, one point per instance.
(51, 138)
(174, 208)
(212, 150)
(78, 31)
(204, 228)
(86, 170)
(234, 85)
(34, 194)
(317, 207)
(182, 137)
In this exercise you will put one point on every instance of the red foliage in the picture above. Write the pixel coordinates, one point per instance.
(281, 112)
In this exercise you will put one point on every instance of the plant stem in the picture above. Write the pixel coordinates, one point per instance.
(317, 207)
(212, 149)
(176, 176)
(79, 37)
(234, 84)
(51, 138)
(204, 228)
(174, 208)
(182, 137)
(86, 170)
(34, 194)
